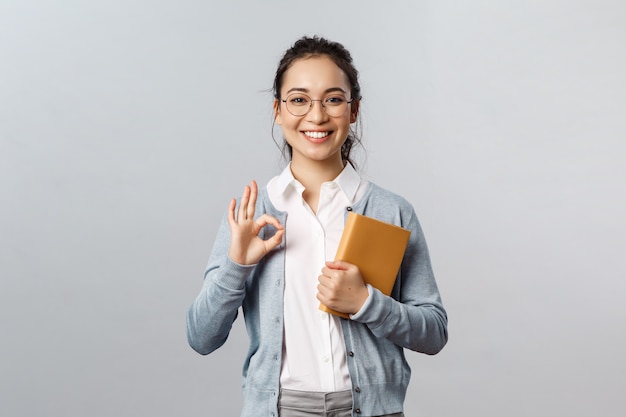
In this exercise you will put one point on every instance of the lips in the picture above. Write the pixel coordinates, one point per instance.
(316, 135)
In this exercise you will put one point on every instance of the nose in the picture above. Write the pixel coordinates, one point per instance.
(317, 113)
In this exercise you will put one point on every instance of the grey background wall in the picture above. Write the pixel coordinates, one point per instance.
(126, 126)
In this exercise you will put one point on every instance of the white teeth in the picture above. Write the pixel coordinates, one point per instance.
(317, 135)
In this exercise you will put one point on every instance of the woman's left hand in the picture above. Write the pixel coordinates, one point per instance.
(341, 287)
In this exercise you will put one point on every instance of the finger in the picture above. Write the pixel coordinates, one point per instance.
(231, 212)
(243, 204)
(320, 297)
(331, 273)
(323, 282)
(254, 192)
(320, 291)
(325, 294)
(325, 299)
(276, 239)
(266, 219)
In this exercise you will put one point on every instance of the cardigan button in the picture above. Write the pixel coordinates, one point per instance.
(351, 353)
(357, 389)
(358, 411)
(349, 208)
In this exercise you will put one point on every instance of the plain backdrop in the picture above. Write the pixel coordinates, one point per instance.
(126, 127)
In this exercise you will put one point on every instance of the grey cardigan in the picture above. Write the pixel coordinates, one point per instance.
(413, 317)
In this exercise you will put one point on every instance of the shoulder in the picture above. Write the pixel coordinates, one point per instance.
(385, 199)
(385, 205)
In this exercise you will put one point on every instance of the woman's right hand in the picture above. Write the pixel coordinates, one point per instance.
(246, 247)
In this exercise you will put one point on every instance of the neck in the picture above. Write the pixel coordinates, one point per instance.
(312, 174)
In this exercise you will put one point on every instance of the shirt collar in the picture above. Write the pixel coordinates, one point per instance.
(348, 181)
(285, 179)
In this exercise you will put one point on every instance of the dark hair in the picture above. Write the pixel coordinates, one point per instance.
(307, 47)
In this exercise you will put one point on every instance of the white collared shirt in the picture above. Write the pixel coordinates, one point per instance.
(314, 354)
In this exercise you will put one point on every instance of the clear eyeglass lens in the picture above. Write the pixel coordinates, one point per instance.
(299, 104)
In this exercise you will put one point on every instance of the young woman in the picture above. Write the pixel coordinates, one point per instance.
(274, 257)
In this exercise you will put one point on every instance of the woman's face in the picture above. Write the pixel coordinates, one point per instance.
(315, 136)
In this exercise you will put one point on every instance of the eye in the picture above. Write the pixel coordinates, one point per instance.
(335, 100)
(299, 100)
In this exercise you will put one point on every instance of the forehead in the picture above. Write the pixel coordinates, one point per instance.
(315, 74)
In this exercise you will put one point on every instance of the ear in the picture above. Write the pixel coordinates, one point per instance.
(277, 116)
(354, 110)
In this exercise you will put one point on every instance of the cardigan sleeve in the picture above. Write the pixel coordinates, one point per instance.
(413, 316)
(210, 317)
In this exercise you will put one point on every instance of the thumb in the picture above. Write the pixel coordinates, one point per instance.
(276, 239)
(337, 264)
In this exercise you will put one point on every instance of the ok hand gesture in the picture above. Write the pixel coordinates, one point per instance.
(246, 247)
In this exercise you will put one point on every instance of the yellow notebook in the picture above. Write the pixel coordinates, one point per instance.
(376, 247)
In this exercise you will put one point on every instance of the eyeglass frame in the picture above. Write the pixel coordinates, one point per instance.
(311, 104)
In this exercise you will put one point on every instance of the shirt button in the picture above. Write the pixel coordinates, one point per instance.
(326, 358)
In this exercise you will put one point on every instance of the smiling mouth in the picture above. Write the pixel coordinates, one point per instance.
(317, 135)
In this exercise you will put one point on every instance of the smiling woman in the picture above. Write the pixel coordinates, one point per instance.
(304, 49)
(302, 361)
(314, 135)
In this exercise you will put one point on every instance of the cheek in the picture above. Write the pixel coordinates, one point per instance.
(345, 123)
(287, 121)
(289, 129)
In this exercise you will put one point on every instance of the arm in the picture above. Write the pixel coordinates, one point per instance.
(234, 256)
(214, 310)
(415, 317)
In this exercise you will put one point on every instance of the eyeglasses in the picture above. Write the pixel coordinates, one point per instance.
(299, 104)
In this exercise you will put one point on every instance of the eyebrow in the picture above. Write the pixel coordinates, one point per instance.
(306, 90)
